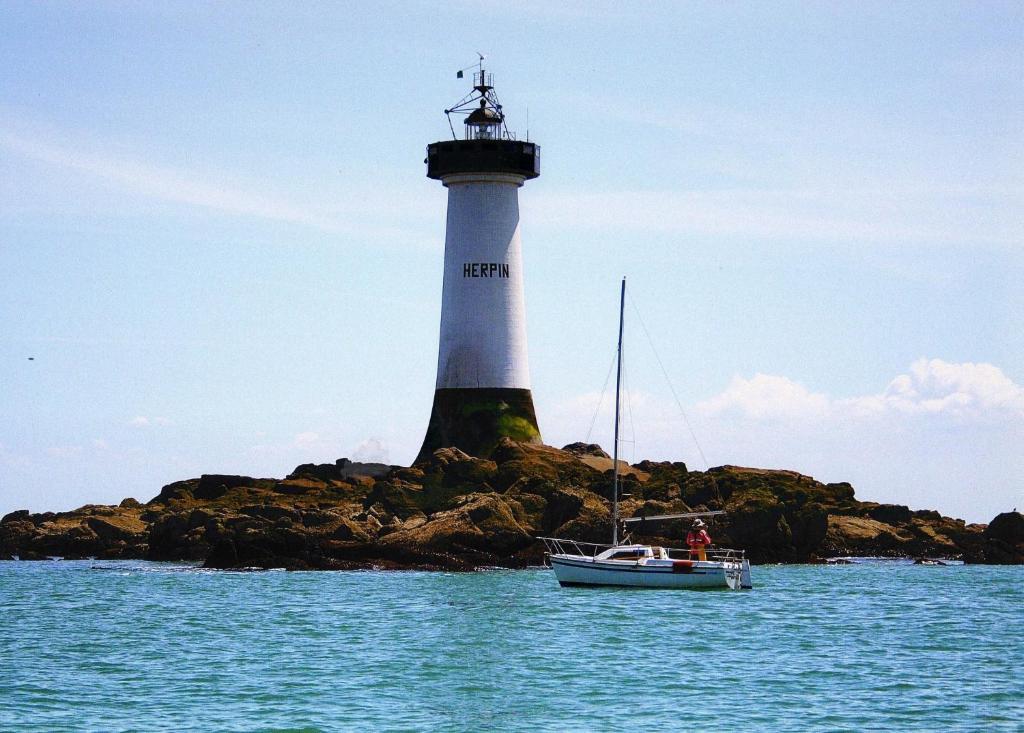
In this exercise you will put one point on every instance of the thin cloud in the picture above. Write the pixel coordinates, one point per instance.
(355, 213)
(851, 215)
(807, 175)
(167, 184)
(567, 11)
(306, 439)
(141, 421)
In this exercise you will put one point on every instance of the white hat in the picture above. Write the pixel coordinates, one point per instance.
(698, 523)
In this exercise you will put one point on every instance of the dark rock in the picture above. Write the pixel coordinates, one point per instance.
(664, 470)
(1007, 527)
(1004, 540)
(585, 449)
(349, 530)
(757, 524)
(296, 486)
(892, 513)
(130, 503)
(111, 531)
(223, 555)
(15, 516)
(561, 506)
(480, 522)
(318, 518)
(176, 490)
(16, 536)
(318, 471)
(341, 469)
(352, 469)
(508, 450)
(809, 526)
(271, 512)
(214, 486)
(169, 539)
(840, 491)
(459, 468)
(706, 489)
(198, 518)
(179, 490)
(398, 498)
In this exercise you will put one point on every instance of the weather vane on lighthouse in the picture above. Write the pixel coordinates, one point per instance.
(482, 393)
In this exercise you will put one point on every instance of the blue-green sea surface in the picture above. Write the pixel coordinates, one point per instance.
(132, 646)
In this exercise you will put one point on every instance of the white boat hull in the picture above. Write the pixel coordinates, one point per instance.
(573, 570)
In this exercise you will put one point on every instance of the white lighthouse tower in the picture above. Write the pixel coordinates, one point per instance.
(483, 380)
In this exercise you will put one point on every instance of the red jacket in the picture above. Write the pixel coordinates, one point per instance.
(698, 539)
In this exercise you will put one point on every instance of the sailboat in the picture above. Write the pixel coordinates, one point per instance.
(626, 564)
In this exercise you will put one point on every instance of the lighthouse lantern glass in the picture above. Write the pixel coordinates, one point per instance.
(483, 131)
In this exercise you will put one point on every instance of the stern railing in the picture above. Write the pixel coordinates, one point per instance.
(556, 546)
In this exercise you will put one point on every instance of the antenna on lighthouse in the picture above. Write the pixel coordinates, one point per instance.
(484, 117)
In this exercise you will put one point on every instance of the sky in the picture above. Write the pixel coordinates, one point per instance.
(219, 252)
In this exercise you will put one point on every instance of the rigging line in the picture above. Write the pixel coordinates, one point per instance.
(672, 389)
(600, 401)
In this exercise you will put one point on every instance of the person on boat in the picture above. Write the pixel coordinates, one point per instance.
(698, 539)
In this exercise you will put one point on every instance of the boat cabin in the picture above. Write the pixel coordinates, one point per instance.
(634, 553)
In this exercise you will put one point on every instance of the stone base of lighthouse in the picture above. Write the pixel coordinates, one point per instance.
(474, 420)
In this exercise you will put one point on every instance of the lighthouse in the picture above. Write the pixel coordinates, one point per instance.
(482, 393)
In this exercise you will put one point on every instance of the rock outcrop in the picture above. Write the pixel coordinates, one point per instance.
(1003, 540)
(456, 511)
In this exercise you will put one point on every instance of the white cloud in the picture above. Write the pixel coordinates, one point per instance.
(930, 387)
(371, 450)
(766, 396)
(939, 383)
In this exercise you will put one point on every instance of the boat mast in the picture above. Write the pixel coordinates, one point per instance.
(615, 448)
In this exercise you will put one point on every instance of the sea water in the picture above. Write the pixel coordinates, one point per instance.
(134, 646)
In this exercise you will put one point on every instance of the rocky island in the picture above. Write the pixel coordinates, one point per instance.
(459, 512)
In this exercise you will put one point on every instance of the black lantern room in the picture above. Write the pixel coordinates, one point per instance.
(487, 145)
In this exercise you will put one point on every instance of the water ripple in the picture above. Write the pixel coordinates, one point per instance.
(151, 647)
